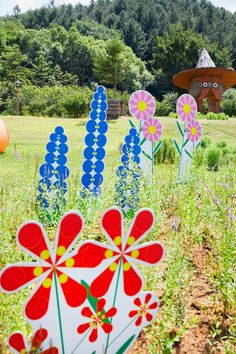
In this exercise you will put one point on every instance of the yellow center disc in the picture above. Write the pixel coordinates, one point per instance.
(142, 106)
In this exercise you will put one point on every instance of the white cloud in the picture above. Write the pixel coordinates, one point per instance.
(6, 6)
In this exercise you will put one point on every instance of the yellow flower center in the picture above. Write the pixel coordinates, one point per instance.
(152, 129)
(44, 254)
(135, 254)
(47, 283)
(126, 266)
(193, 131)
(38, 271)
(113, 267)
(70, 262)
(63, 278)
(117, 240)
(131, 240)
(187, 108)
(61, 250)
(142, 106)
(108, 253)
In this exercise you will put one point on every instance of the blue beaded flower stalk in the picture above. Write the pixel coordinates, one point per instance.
(95, 141)
(54, 172)
(127, 185)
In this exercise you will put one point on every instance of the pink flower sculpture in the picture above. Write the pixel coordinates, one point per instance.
(142, 105)
(152, 129)
(186, 108)
(194, 131)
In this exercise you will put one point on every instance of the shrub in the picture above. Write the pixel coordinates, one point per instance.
(168, 104)
(228, 103)
(212, 116)
(213, 158)
(205, 142)
(173, 115)
(166, 153)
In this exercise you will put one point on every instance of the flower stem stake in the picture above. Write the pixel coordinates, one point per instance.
(152, 131)
(186, 108)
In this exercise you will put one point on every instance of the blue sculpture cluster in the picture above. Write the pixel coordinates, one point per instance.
(127, 186)
(95, 141)
(54, 172)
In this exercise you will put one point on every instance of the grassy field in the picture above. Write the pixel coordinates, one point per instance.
(196, 222)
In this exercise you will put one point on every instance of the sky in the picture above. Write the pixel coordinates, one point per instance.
(6, 6)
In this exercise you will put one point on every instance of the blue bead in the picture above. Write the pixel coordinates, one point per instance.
(99, 166)
(59, 130)
(90, 126)
(86, 180)
(98, 179)
(87, 166)
(100, 153)
(89, 139)
(53, 137)
(101, 140)
(62, 148)
(63, 139)
(51, 147)
(133, 132)
(45, 170)
(100, 89)
(88, 153)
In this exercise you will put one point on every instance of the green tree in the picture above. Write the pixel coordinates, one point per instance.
(111, 66)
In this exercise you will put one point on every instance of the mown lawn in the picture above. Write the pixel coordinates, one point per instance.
(196, 222)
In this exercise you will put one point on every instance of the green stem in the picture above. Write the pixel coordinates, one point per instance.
(114, 301)
(129, 324)
(182, 148)
(152, 157)
(86, 334)
(59, 313)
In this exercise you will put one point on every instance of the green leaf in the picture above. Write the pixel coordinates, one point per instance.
(180, 129)
(131, 123)
(92, 300)
(143, 141)
(145, 154)
(177, 147)
(157, 147)
(186, 142)
(126, 345)
(188, 153)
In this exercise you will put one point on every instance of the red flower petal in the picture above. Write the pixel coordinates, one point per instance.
(82, 328)
(69, 228)
(39, 337)
(101, 284)
(100, 305)
(137, 302)
(143, 221)
(153, 306)
(75, 293)
(107, 327)
(112, 223)
(31, 237)
(37, 306)
(17, 341)
(139, 321)
(110, 313)
(86, 312)
(90, 255)
(149, 317)
(147, 298)
(132, 282)
(52, 350)
(149, 254)
(17, 276)
(93, 335)
(133, 313)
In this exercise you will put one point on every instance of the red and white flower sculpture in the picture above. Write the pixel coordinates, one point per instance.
(88, 300)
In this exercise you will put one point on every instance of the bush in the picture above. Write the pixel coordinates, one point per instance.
(228, 103)
(168, 104)
(213, 158)
(205, 142)
(60, 101)
(173, 115)
(212, 116)
(166, 153)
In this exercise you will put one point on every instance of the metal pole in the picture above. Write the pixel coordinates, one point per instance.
(17, 101)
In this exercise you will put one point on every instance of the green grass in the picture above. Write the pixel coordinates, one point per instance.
(205, 209)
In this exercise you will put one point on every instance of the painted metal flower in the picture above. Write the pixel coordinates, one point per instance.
(18, 343)
(122, 251)
(186, 108)
(145, 308)
(96, 320)
(142, 105)
(152, 129)
(51, 267)
(194, 131)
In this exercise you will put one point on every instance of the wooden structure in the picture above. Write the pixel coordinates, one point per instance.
(206, 81)
(116, 108)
